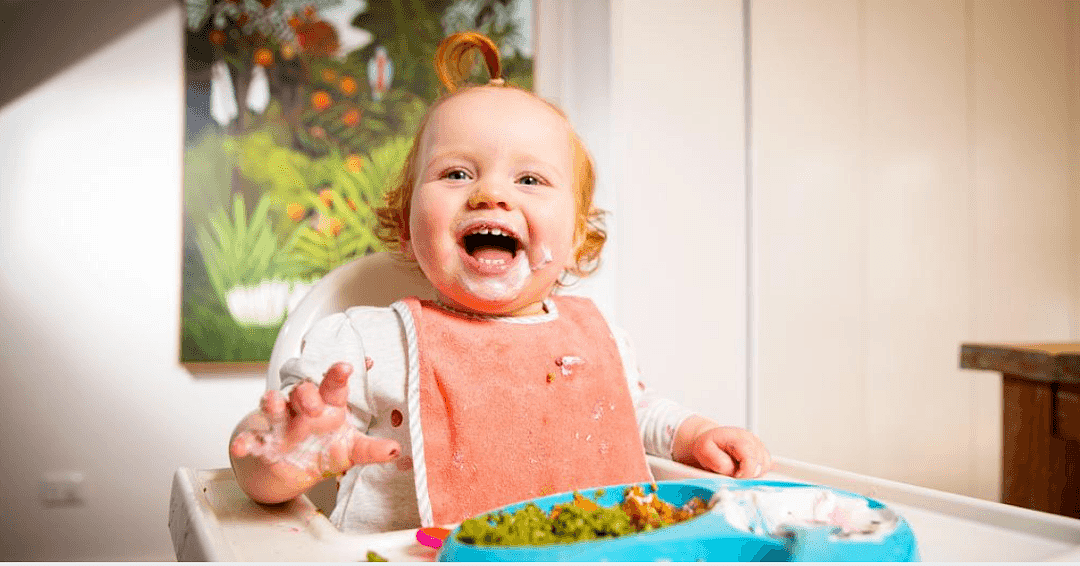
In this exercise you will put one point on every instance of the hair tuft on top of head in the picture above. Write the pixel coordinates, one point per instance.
(455, 56)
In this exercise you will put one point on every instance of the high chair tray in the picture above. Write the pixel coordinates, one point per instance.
(211, 519)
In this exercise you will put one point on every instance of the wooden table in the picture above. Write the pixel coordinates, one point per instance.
(1041, 436)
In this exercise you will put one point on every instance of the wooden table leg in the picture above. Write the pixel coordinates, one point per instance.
(1039, 470)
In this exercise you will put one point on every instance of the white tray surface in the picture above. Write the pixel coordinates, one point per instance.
(212, 519)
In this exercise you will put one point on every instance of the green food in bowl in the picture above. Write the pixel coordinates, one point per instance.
(580, 519)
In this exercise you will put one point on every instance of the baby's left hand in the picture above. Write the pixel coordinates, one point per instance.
(731, 451)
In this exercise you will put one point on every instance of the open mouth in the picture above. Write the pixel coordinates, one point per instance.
(491, 245)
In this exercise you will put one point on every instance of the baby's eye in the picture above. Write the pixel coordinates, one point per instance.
(528, 180)
(456, 175)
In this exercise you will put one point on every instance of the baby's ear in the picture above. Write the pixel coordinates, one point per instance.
(572, 258)
(579, 241)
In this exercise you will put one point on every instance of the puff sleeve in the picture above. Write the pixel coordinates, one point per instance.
(331, 340)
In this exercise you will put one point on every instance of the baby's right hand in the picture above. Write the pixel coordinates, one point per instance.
(309, 437)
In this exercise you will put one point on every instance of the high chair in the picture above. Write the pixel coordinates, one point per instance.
(210, 518)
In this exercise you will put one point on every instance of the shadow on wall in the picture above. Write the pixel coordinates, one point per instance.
(40, 39)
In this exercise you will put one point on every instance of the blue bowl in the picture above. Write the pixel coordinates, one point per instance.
(709, 537)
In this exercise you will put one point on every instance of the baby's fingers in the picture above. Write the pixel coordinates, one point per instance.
(251, 443)
(758, 461)
(305, 400)
(335, 384)
(272, 405)
(242, 445)
(710, 456)
(751, 462)
(366, 450)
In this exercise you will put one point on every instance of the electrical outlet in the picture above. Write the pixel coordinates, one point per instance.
(63, 489)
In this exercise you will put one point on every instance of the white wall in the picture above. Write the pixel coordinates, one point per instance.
(914, 188)
(1073, 15)
(90, 209)
(678, 157)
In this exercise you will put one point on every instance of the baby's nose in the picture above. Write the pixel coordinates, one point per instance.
(489, 194)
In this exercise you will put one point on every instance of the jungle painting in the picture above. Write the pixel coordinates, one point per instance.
(299, 113)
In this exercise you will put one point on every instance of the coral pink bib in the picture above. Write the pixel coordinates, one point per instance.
(511, 411)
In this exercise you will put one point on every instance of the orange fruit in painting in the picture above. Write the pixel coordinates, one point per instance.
(288, 51)
(351, 118)
(317, 132)
(326, 196)
(217, 37)
(317, 38)
(264, 57)
(295, 211)
(351, 203)
(353, 163)
(330, 225)
(321, 100)
(348, 86)
(329, 75)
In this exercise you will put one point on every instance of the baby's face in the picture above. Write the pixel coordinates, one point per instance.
(494, 206)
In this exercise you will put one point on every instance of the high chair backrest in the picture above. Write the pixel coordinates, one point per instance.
(375, 280)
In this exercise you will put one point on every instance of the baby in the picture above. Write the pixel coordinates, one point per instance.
(500, 390)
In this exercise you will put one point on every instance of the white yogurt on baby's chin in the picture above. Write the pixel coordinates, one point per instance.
(508, 284)
(499, 287)
(545, 258)
(773, 511)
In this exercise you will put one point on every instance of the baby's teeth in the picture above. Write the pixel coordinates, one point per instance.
(482, 231)
(496, 232)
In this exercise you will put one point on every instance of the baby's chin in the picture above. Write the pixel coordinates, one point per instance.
(494, 303)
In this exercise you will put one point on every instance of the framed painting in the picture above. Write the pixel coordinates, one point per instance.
(298, 115)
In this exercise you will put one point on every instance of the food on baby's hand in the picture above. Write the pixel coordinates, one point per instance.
(580, 519)
(373, 556)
